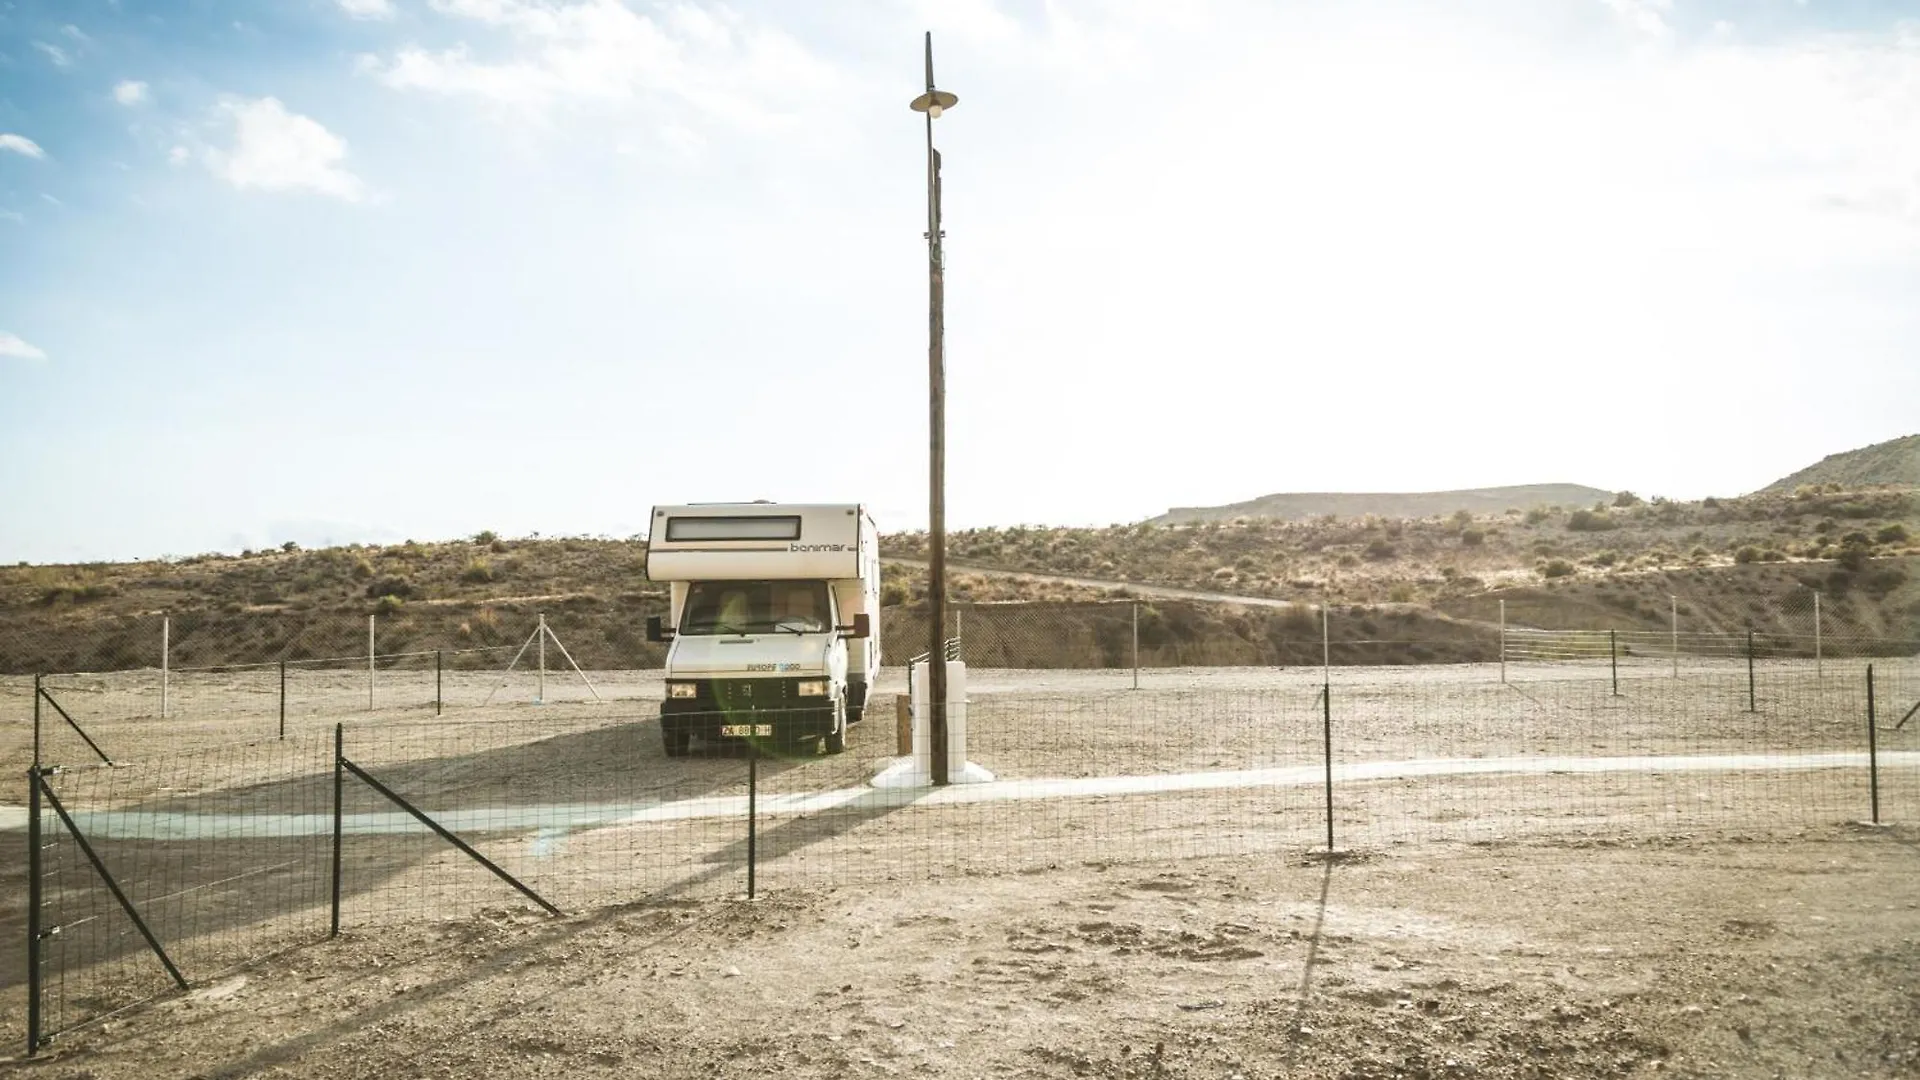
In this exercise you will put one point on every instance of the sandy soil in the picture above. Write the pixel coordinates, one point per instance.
(1680, 958)
(228, 850)
(121, 712)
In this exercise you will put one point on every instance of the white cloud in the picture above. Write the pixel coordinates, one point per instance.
(368, 9)
(686, 64)
(178, 155)
(75, 33)
(54, 53)
(1646, 18)
(12, 346)
(277, 150)
(14, 215)
(130, 92)
(51, 200)
(20, 144)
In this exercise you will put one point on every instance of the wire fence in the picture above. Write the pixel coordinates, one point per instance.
(148, 868)
(293, 671)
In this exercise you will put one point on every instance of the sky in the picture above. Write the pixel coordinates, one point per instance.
(370, 270)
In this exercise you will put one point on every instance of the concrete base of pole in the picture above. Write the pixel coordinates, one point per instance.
(916, 769)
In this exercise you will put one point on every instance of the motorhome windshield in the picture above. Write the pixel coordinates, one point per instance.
(746, 607)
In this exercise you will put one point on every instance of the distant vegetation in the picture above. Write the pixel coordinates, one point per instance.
(1422, 587)
(1303, 507)
(1894, 463)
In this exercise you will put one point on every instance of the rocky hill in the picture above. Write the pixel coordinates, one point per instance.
(1303, 506)
(1894, 463)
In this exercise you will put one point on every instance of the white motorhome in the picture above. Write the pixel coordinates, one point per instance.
(772, 620)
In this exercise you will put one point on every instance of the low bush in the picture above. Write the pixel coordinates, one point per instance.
(398, 588)
(1589, 521)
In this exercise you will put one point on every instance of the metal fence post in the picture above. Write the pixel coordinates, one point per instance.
(283, 699)
(34, 903)
(339, 781)
(1326, 750)
(437, 668)
(1673, 633)
(753, 793)
(1613, 659)
(1752, 701)
(1816, 634)
(540, 697)
(166, 652)
(1503, 639)
(1326, 648)
(38, 693)
(1136, 644)
(1873, 752)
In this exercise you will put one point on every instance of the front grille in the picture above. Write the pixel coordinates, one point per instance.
(756, 693)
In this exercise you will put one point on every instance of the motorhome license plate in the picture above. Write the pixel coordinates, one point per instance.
(747, 730)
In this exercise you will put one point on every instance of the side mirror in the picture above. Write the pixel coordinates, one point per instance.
(656, 631)
(862, 627)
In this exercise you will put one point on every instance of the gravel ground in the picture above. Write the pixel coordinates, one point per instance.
(237, 890)
(1665, 957)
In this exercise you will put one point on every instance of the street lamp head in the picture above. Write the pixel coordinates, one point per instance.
(934, 102)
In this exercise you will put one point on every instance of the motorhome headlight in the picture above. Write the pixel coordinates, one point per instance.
(682, 690)
(813, 687)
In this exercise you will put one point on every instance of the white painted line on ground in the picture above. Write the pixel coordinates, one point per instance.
(553, 822)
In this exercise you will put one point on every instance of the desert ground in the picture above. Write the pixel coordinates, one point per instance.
(1531, 879)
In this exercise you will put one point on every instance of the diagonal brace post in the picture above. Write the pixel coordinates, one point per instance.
(112, 885)
(76, 726)
(448, 836)
(1909, 716)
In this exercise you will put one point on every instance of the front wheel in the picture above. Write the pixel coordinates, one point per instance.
(836, 739)
(676, 740)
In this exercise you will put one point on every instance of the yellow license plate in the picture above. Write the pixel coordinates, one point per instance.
(747, 730)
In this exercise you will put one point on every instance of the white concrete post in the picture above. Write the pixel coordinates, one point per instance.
(166, 648)
(541, 695)
(916, 770)
(370, 620)
(1136, 644)
(1673, 635)
(1503, 639)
